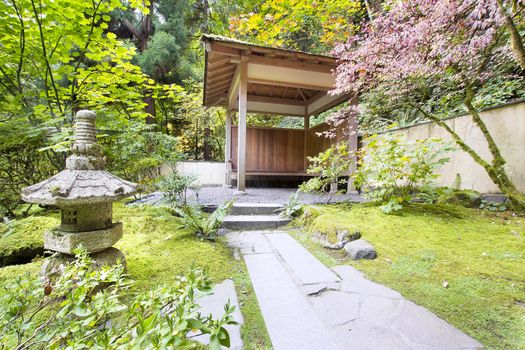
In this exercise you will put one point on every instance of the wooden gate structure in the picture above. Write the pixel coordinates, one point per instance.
(247, 78)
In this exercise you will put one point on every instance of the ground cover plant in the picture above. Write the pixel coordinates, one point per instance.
(75, 310)
(157, 251)
(465, 265)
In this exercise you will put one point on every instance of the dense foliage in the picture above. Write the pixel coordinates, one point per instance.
(420, 55)
(96, 308)
(390, 169)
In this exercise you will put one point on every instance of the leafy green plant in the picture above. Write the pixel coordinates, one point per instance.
(328, 167)
(391, 169)
(203, 225)
(293, 208)
(175, 186)
(76, 312)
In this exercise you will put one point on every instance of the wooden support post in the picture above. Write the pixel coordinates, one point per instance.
(352, 149)
(306, 127)
(241, 129)
(228, 149)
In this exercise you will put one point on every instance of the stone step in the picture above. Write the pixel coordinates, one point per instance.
(253, 222)
(290, 320)
(255, 208)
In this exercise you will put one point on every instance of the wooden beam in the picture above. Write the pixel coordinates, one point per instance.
(219, 62)
(276, 100)
(302, 94)
(241, 129)
(234, 87)
(331, 101)
(230, 68)
(223, 50)
(292, 85)
(276, 62)
(217, 95)
(218, 89)
(291, 77)
(219, 78)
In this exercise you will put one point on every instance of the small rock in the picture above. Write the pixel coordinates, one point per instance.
(345, 236)
(222, 231)
(360, 249)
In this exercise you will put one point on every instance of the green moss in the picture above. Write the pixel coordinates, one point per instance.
(21, 239)
(465, 198)
(157, 250)
(481, 255)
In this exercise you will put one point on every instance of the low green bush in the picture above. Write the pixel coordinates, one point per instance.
(87, 308)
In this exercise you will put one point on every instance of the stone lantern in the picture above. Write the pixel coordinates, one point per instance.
(84, 192)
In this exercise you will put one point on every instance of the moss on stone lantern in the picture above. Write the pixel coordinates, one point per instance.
(84, 192)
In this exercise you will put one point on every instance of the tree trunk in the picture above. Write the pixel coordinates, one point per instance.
(496, 169)
(206, 144)
(516, 42)
(142, 35)
(373, 7)
(150, 108)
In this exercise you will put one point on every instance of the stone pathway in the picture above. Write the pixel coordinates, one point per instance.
(214, 304)
(306, 305)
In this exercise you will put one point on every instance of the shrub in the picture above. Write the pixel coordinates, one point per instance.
(74, 312)
(175, 186)
(390, 169)
(21, 165)
(203, 225)
(328, 167)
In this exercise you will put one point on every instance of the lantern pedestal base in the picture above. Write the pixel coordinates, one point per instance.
(54, 266)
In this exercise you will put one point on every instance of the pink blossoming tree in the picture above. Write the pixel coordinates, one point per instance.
(451, 44)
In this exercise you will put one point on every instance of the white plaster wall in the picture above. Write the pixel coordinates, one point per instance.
(208, 173)
(507, 126)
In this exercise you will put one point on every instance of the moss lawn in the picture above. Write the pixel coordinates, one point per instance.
(465, 265)
(157, 250)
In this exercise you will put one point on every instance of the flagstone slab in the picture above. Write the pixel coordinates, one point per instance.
(354, 281)
(214, 304)
(421, 328)
(363, 335)
(249, 242)
(335, 308)
(305, 267)
(291, 322)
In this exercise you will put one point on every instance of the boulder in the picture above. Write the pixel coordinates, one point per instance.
(360, 249)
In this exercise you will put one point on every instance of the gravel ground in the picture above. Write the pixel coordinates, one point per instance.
(213, 196)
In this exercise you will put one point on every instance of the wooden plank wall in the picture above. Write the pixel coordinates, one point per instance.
(282, 150)
(271, 150)
(316, 144)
